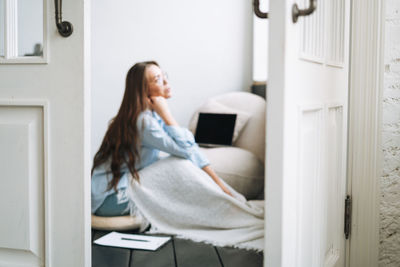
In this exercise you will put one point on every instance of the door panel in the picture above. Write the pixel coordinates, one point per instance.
(21, 186)
(312, 34)
(310, 145)
(44, 143)
(333, 187)
(336, 31)
(308, 87)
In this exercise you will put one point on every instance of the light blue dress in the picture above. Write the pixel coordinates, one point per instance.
(155, 136)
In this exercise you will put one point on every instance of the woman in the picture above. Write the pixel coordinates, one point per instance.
(142, 128)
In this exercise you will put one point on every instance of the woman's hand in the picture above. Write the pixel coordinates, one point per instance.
(226, 190)
(159, 104)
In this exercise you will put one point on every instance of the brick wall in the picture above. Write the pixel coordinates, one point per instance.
(389, 249)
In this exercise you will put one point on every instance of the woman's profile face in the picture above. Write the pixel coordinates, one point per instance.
(157, 82)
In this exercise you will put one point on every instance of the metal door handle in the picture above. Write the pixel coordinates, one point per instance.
(257, 11)
(64, 27)
(296, 12)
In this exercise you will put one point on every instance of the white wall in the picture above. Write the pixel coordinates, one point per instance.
(260, 45)
(204, 46)
(389, 249)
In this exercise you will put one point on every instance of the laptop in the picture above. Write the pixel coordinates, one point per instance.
(215, 129)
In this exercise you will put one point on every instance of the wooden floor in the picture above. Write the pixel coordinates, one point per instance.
(176, 253)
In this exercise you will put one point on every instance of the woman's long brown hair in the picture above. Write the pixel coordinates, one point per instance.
(120, 144)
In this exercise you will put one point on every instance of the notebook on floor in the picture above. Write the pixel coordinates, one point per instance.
(215, 129)
(132, 241)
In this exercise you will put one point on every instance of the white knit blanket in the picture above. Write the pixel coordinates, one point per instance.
(178, 198)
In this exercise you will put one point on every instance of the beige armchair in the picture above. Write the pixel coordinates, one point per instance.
(242, 165)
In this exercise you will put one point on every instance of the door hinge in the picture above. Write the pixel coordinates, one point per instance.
(347, 216)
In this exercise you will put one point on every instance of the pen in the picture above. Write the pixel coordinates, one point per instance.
(131, 239)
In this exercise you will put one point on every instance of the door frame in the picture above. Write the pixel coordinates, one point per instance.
(364, 133)
(364, 154)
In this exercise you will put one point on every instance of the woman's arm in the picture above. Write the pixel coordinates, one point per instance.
(216, 179)
(159, 104)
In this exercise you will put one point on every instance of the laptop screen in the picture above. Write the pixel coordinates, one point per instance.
(215, 129)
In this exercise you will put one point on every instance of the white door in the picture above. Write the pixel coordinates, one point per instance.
(306, 134)
(44, 175)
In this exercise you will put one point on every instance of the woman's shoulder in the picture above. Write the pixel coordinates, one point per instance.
(147, 118)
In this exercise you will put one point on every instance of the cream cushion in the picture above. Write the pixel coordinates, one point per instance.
(239, 168)
(118, 223)
(213, 106)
